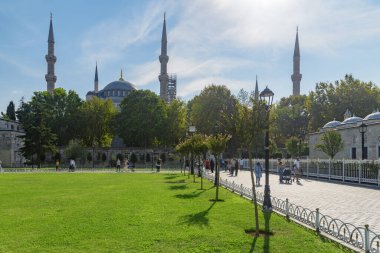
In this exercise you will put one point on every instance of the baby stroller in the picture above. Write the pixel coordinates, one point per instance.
(286, 176)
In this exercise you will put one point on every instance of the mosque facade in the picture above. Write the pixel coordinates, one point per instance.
(349, 129)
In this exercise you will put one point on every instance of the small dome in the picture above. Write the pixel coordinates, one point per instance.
(332, 124)
(352, 120)
(90, 93)
(373, 116)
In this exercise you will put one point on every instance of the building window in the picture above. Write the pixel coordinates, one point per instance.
(12, 127)
(365, 154)
(353, 153)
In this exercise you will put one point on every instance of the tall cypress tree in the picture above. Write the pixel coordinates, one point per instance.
(11, 111)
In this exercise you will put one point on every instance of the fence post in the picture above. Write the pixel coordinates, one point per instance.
(287, 208)
(317, 220)
(344, 164)
(366, 239)
(360, 171)
(378, 177)
(329, 170)
(241, 190)
(307, 167)
(318, 169)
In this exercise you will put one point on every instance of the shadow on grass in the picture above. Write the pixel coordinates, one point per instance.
(170, 177)
(182, 181)
(321, 237)
(198, 219)
(177, 187)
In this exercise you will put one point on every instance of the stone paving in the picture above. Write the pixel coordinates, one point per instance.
(351, 204)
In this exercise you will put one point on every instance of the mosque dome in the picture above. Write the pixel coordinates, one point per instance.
(332, 124)
(117, 90)
(373, 116)
(352, 120)
(90, 93)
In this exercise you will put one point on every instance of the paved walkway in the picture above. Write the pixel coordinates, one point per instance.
(351, 204)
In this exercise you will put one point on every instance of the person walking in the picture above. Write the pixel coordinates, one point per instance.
(56, 165)
(241, 165)
(236, 166)
(297, 169)
(118, 164)
(72, 165)
(158, 165)
(232, 166)
(212, 165)
(258, 173)
(280, 171)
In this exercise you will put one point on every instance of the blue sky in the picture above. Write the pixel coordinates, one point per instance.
(209, 41)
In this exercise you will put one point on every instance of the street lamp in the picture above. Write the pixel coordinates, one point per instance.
(363, 130)
(266, 98)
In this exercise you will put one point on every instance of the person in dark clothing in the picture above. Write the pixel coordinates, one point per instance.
(236, 166)
(212, 164)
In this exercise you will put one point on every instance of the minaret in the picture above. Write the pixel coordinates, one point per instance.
(96, 81)
(257, 91)
(296, 77)
(164, 58)
(50, 59)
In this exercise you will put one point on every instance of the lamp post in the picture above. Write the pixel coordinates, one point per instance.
(363, 130)
(266, 98)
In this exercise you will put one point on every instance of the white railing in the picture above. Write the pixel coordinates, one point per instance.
(361, 238)
(350, 171)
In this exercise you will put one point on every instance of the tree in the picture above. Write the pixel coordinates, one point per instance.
(217, 144)
(212, 111)
(292, 146)
(38, 138)
(95, 119)
(175, 123)
(331, 100)
(331, 143)
(249, 126)
(11, 111)
(74, 150)
(142, 119)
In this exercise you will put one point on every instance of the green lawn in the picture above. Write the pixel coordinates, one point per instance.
(87, 212)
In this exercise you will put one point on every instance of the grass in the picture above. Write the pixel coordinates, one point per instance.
(136, 213)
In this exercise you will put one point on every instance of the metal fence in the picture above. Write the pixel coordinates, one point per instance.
(350, 171)
(361, 238)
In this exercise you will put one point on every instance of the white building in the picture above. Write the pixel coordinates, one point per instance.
(352, 137)
(11, 143)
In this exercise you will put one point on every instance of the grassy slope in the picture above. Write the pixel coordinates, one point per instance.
(135, 213)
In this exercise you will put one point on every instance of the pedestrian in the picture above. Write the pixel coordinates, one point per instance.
(241, 165)
(229, 166)
(258, 172)
(236, 166)
(1, 167)
(126, 163)
(56, 165)
(158, 165)
(118, 164)
(223, 164)
(212, 164)
(72, 165)
(207, 164)
(232, 167)
(297, 169)
(280, 171)
(187, 165)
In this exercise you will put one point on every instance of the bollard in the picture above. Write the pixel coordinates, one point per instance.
(317, 220)
(241, 190)
(287, 208)
(366, 238)
(233, 186)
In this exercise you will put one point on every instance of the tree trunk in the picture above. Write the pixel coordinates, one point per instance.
(254, 199)
(217, 178)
